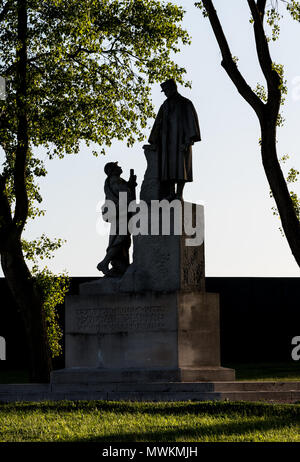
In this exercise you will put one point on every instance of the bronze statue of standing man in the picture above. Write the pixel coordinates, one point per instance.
(175, 130)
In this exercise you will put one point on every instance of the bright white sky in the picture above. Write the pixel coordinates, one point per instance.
(242, 236)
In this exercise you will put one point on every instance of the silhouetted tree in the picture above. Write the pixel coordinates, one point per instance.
(74, 70)
(266, 105)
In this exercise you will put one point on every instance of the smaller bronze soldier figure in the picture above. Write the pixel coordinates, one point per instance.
(175, 130)
(117, 252)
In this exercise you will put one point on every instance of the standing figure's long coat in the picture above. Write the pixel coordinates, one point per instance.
(176, 126)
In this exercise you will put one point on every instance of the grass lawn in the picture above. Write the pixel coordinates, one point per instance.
(98, 421)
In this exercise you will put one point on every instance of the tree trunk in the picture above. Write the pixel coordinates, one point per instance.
(277, 182)
(30, 304)
(27, 297)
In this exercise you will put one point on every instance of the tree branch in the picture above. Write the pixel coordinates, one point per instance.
(261, 6)
(228, 63)
(5, 215)
(21, 209)
(262, 47)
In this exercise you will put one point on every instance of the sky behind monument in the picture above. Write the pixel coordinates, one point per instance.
(242, 236)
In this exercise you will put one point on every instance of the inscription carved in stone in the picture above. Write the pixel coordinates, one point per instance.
(120, 319)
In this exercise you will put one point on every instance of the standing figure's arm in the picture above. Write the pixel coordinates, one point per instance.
(191, 126)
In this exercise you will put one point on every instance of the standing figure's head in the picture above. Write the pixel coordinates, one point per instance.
(169, 87)
(112, 168)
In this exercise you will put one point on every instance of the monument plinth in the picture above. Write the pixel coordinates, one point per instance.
(146, 337)
(156, 323)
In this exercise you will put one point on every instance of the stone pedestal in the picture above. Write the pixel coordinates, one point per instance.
(150, 337)
(163, 263)
(152, 188)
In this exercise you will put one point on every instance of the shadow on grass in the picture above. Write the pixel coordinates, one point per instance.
(221, 408)
(212, 432)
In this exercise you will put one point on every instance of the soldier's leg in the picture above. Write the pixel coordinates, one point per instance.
(111, 251)
(117, 255)
(120, 262)
(110, 255)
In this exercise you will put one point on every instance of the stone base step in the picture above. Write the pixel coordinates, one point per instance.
(287, 392)
(100, 375)
(204, 387)
(254, 386)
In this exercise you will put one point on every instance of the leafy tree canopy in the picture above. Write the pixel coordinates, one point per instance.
(90, 64)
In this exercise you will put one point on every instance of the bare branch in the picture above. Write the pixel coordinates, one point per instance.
(261, 6)
(262, 47)
(228, 63)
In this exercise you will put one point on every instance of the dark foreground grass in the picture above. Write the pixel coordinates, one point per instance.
(288, 371)
(99, 421)
(14, 376)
